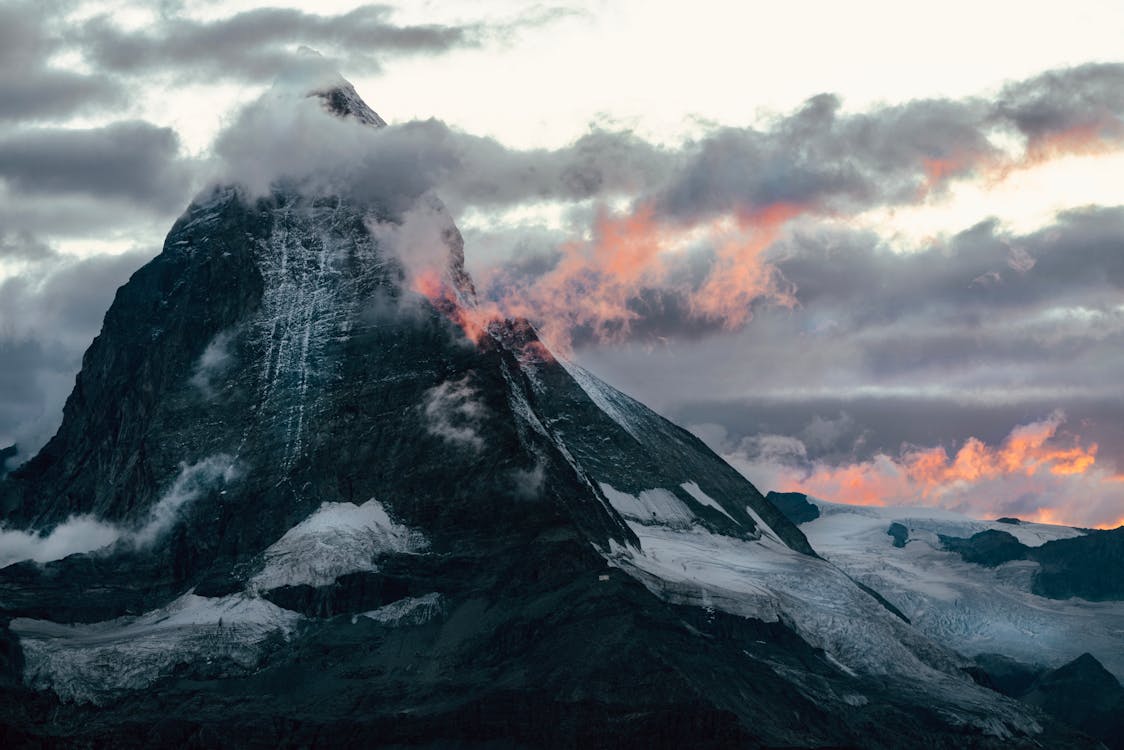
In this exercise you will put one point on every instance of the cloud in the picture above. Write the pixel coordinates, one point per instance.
(133, 161)
(1085, 101)
(288, 136)
(76, 534)
(528, 483)
(79, 534)
(48, 316)
(23, 245)
(31, 89)
(50, 94)
(1034, 473)
(255, 44)
(453, 413)
(215, 361)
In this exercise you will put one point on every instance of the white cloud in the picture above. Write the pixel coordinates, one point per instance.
(453, 413)
(84, 533)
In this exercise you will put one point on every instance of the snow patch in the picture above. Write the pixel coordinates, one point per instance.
(338, 538)
(658, 506)
(696, 492)
(410, 611)
(91, 663)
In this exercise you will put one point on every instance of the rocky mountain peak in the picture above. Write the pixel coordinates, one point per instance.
(342, 100)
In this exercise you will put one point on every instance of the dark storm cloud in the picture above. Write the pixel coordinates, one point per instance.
(886, 349)
(822, 159)
(983, 269)
(817, 156)
(43, 94)
(23, 245)
(256, 44)
(30, 89)
(134, 161)
(1087, 96)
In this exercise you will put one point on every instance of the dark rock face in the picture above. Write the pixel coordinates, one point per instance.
(11, 659)
(1090, 566)
(272, 371)
(794, 506)
(1007, 675)
(1082, 693)
(989, 548)
(900, 534)
(7, 454)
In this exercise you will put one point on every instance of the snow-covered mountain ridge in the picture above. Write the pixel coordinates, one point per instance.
(974, 608)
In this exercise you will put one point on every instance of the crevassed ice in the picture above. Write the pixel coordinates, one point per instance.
(969, 607)
(92, 662)
(338, 538)
(767, 580)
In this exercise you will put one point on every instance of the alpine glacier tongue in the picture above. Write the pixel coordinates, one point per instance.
(424, 539)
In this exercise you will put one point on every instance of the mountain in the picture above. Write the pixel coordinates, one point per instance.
(1081, 693)
(1036, 593)
(293, 503)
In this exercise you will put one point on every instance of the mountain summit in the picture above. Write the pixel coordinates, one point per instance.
(292, 502)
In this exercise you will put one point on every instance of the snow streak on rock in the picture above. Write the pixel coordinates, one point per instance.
(307, 302)
(416, 610)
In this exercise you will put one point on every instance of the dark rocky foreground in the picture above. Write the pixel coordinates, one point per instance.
(272, 363)
(1082, 693)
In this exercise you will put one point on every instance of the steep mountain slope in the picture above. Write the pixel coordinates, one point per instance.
(291, 502)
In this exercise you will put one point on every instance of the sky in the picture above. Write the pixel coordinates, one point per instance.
(863, 251)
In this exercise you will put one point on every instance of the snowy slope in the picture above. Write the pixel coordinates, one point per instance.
(92, 663)
(971, 608)
(338, 538)
(765, 579)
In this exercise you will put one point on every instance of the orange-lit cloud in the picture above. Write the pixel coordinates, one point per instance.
(994, 167)
(1033, 461)
(1081, 140)
(596, 282)
(604, 284)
